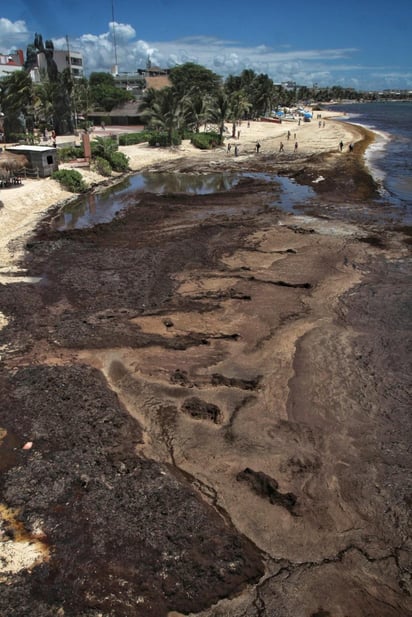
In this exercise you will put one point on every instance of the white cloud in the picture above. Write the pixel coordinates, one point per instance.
(224, 56)
(12, 34)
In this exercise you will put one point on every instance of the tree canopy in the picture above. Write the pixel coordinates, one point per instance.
(194, 77)
(104, 92)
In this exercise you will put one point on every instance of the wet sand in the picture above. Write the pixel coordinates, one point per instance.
(218, 404)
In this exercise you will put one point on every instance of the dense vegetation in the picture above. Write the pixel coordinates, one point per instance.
(70, 179)
(105, 155)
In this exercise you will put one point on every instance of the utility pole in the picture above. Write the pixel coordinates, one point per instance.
(72, 95)
(115, 68)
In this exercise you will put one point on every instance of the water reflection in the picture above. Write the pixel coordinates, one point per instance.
(192, 184)
(93, 209)
(89, 211)
(293, 194)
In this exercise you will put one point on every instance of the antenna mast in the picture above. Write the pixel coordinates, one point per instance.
(115, 68)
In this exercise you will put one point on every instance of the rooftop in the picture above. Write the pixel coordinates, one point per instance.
(26, 147)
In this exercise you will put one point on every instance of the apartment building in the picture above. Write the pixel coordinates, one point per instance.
(64, 59)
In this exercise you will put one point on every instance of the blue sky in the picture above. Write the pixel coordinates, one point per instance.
(355, 43)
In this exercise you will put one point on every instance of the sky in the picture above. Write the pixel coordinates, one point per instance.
(363, 44)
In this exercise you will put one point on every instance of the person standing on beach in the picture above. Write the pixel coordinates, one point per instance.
(229, 147)
(288, 135)
(296, 146)
(236, 150)
(281, 146)
(257, 147)
(341, 146)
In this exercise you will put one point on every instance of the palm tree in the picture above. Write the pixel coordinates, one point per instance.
(150, 98)
(163, 109)
(104, 147)
(82, 97)
(262, 95)
(16, 100)
(238, 106)
(43, 103)
(220, 112)
(197, 108)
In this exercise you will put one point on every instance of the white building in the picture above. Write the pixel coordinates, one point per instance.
(72, 60)
(9, 63)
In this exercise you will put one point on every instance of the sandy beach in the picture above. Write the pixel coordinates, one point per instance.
(204, 401)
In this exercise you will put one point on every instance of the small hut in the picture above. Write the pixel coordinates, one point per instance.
(42, 160)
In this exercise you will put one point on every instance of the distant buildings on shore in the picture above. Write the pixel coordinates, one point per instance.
(64, 59)
(9, 63)
(149, 77)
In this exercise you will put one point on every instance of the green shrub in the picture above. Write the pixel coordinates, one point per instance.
(186, 134)
(13, 137)
(32, 138)
(134, 138)
(104, 147)
(85, 125)
(163, 140)
(69, 153)
(118, 161)
(205, 141)
(70, 179)
(102, 166)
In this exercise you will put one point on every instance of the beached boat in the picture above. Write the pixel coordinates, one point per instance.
(268, 119)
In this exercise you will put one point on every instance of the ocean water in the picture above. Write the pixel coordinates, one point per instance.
(390, 156)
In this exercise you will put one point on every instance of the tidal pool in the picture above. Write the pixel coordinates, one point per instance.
(93, 209)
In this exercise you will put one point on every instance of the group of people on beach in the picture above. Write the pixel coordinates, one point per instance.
(282, 146)
(236, 149)
(350, 147)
